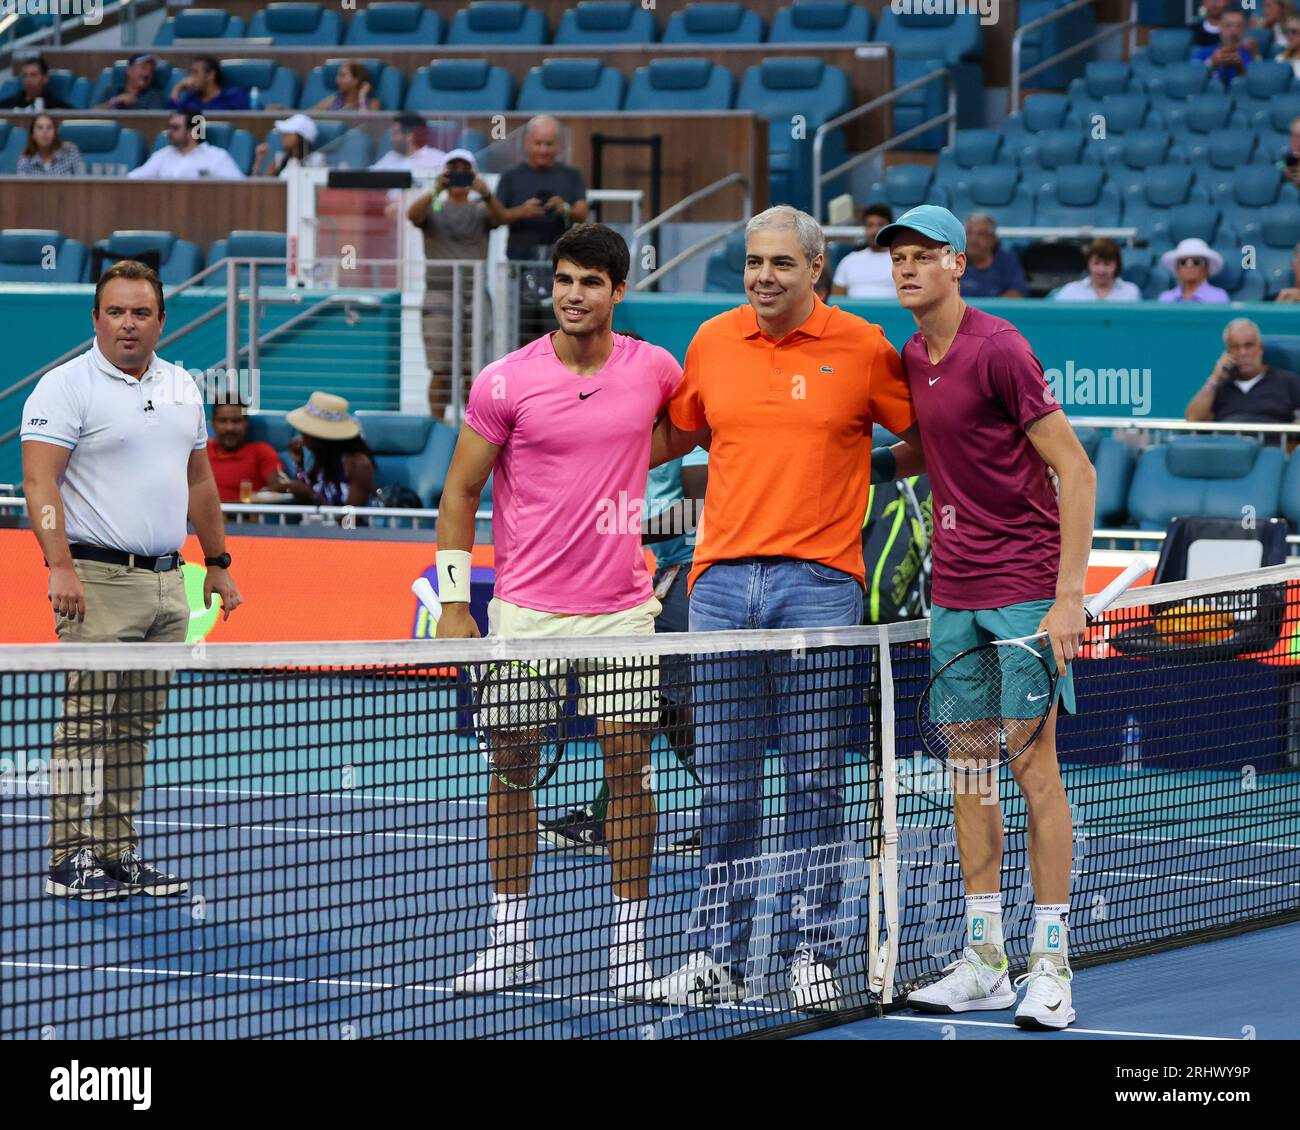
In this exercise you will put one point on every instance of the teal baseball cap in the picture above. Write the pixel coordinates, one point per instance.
(928, 219)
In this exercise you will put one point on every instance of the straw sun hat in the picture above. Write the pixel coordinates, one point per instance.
(325, 416)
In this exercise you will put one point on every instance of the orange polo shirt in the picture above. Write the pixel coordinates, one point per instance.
(790, 459)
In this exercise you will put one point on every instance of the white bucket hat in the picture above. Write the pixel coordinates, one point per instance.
(1192, 249)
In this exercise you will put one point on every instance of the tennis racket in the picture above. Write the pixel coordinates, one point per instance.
(988, 704)
(518, 717)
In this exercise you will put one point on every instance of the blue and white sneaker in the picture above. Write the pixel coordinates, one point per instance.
(143, 878)
(83, 877)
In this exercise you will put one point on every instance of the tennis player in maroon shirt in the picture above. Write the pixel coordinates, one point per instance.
(1010, 560)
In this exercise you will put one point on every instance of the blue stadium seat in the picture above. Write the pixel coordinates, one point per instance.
(1103, 78)
(179, 259)
(1202, 116)
(923, 42)
(341, 147)
(1253, 93)
(572, 84)
(1175, 85)
(1275, 239)
(395, 23)
(1170, 226)
(1241, 285)
(389, 83)
(72, 88)
(1210, 476)
(606, 22)
(1043, 42)
(112, 79)
(199, 23)
(1217, 155)
(1113, 460)
(1166, 47)
(680, 84)
(780, 87)
(1081, 195)
(1282, 351)
(239, 143)
(1120, 114)
(40, 255)
(820, 21)
(1049, 151)
(724, 273)
(1153, 192)
(971, 148)
(919, 35)
(1041, 112)
(276, 85)
(1276, 120)
(1254, 189)
(997, 190)
(411, 451)
(13, 140)
(461, 85)
(105, 145)
(498, 23)
(906, 186)
(714, 23)
(1140, 268)
(252, 245)
(297, 25)
(1134, 154)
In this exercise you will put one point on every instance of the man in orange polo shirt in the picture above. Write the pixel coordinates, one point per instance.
(783, 391)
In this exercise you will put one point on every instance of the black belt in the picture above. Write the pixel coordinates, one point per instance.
(161, 564)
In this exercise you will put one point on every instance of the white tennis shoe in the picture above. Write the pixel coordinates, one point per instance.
(630, 975)
(812, 984)
(970, 986)
(503, 965)
(700, 980)
(1047, 997)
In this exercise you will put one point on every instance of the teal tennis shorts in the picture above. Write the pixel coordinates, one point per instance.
(953, 630)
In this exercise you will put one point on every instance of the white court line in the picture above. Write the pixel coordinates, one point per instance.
(1063, 1031)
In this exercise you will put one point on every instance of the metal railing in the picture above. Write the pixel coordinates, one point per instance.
(1126, 235)
(683, 205)
(51, 35)
(948, 117)
(1162, 428)
(1018, 76)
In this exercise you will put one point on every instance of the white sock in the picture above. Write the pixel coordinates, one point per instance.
(629, 921)
(510, 913)
(1050, 929)
(984, 927)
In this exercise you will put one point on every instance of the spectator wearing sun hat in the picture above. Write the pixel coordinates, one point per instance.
(341, 471)
(1192, 263)
(298, 134)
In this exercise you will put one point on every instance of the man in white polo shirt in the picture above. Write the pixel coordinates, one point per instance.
(186, 156)
(114, 458)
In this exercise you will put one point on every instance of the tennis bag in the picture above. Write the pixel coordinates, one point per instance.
(896, 537)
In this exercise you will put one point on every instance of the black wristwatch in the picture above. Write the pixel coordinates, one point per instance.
(222, 562)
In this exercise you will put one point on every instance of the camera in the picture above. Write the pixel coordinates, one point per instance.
(460, 180)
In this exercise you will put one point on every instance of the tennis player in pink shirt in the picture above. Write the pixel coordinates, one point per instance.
(565, 422)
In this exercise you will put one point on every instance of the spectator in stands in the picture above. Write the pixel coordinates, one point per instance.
(138, 91)
(201, 89)
(867, 273)
(991, 272)
(1205, 32)
(186, 156)
(1291, 162)
(298, 134)
(356, 90)
(542, 196)
(240, 468)
(409, 135)
(34, 95)
(1291, 52)
(1231, 57)
(1272, 19)
(1192, 263)
(454, 227)
(1292, 293)
(1242, 389)
(342, 469)
(47, 155)
(1102, 282)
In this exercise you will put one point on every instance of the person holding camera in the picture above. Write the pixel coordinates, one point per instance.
(455, 227)
(1242, 388)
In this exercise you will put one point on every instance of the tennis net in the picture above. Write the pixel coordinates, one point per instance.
(346, 858)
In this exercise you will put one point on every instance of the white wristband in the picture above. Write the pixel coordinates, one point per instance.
(453, 575)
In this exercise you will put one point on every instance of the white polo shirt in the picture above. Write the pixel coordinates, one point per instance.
(126, 485)
(204, 160)
(427, 157)
(866, 274)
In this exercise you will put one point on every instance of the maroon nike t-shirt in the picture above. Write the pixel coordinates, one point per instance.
(997, 533)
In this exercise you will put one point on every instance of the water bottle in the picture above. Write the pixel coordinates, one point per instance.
(1131, 746)
(254, 99)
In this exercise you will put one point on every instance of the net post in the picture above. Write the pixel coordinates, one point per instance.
(882, 974)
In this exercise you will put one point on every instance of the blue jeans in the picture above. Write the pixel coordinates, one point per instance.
(739, 697)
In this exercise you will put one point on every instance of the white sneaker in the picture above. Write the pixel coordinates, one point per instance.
(503, 965)
(630, 975)
(813, 984)
(971, 986)
(1047, 997)
(701, 980)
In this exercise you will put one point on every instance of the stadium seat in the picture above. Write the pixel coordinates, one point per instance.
(714, 23)
(1166, 47)
(1103, 78)
(72, 88)
(1241, 285)
(112, 79)
(1041, 112)
(179, 259)
(239, 143)
(341, 147)
(1253, 93)
(920, 35)
(1275, 237)
(1253, 189)
(1049, 151)
(1291, 492)
(1113, 460)
(1217, 155)
(781, 87)
(460, 85)
(497, 23)
(1116, 114)
(1040, 43)
(297, 25)
(1203, 115)
(906, 186)
(680, 84)
(1139, 268)
(276, 85)
(1276, 120)
(1170, 226)
(821, 21)
(13, 139)
(970, 149)
(40, 255)
(104, 145)
(921, 43)
(572, 84)
(1259, 546)
(412, 451)
(606, 22)
(1213, 476)
(395, 23)
(1133, 154)
(1169, 94)
(1282, 351)
(252, 245)
(1152, 194)
(389, 83)
(998, 191)
(724, 273)
(199, 23)
(1081, 195)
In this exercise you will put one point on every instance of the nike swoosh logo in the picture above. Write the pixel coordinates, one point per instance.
(584, 395)
(1036, 697)
(451, 573)
(1054, 1007)
(935, 380)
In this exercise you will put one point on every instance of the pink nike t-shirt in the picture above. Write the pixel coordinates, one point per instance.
(570, 480)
